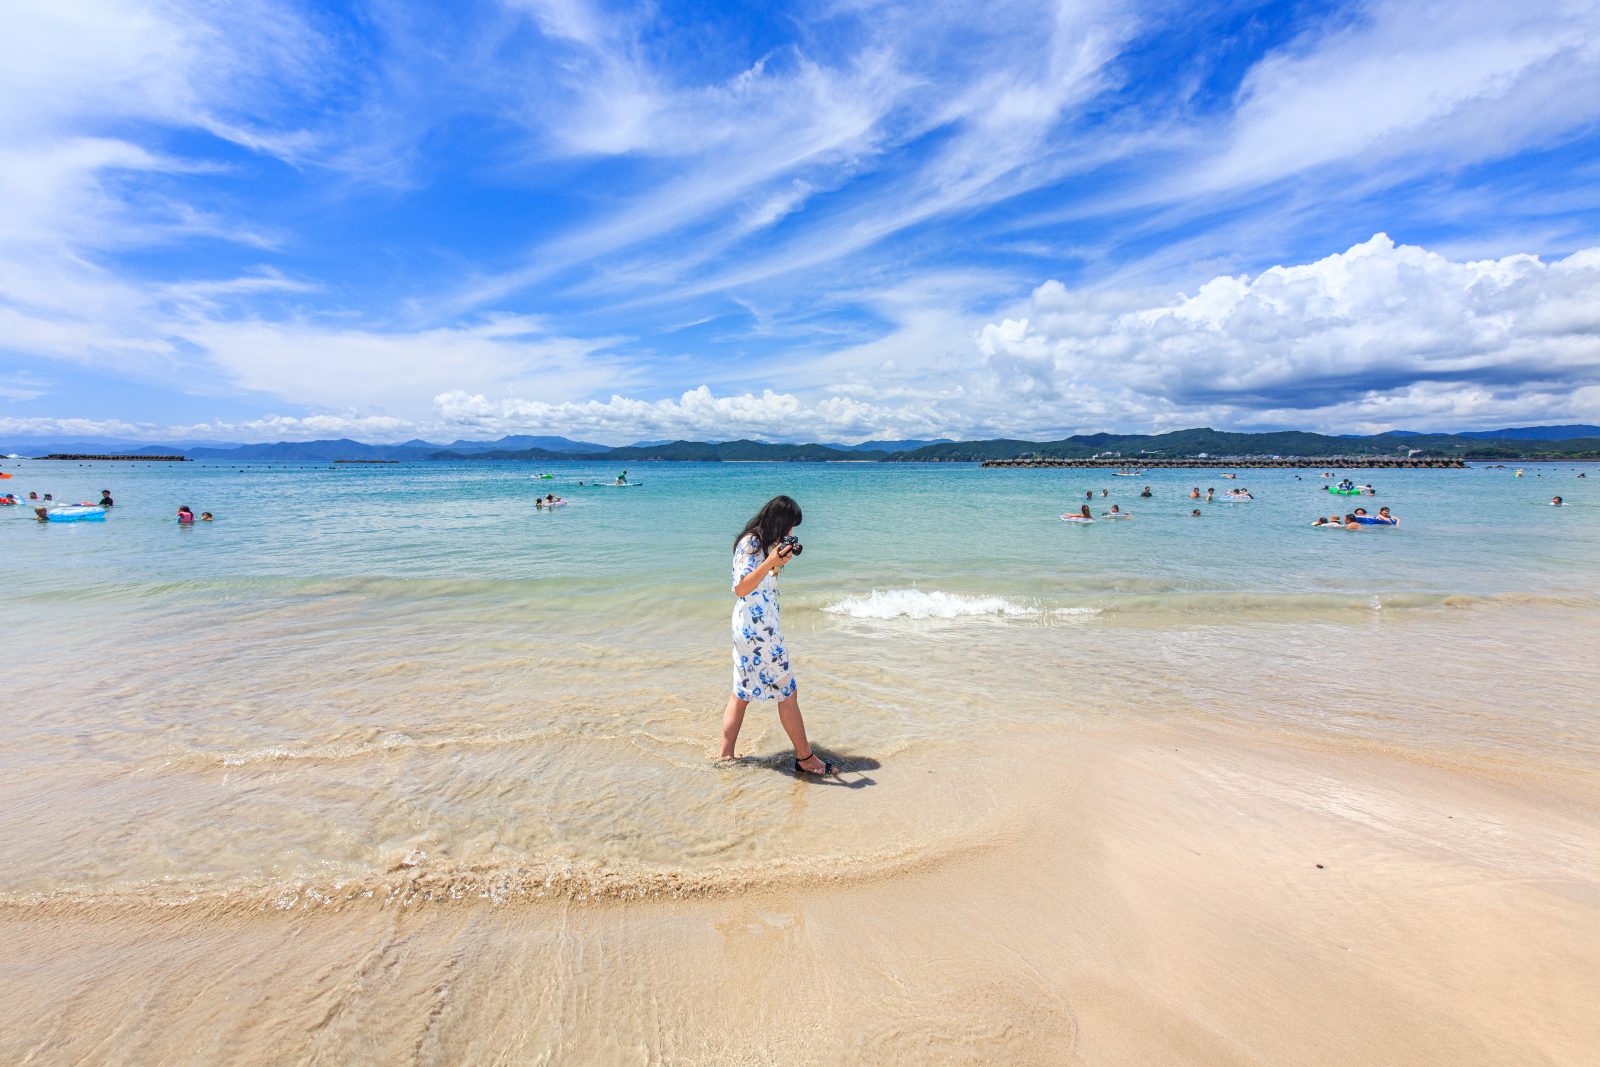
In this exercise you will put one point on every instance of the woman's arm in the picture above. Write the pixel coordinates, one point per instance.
(771, 565)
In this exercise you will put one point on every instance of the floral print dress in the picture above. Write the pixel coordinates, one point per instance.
(760, 660)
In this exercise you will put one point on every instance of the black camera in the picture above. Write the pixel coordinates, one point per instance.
(790, 546)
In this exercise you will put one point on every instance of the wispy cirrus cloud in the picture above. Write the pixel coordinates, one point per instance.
(802, 220)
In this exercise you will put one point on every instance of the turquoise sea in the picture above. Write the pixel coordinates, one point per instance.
(362, 672)
(956, 528)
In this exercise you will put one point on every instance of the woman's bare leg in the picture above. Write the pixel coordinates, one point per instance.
(795, 727)
(732, 719)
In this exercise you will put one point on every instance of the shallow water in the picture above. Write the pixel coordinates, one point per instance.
(403, 683)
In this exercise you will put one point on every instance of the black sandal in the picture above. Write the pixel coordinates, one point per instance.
(827, 768)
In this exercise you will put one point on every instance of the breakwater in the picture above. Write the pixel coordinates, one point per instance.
(1326, 462)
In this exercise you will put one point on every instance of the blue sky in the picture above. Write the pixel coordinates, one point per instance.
(833, 221)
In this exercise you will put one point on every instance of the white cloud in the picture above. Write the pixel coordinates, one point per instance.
(395, 371)
(986, 86)
(696, 414)
(1380, 328)
(1430, 81)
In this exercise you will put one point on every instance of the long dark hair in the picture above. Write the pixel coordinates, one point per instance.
(777, 517)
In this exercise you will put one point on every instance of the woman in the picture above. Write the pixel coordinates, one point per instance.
(761, 668)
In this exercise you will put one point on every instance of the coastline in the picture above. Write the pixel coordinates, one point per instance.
(1160, 901)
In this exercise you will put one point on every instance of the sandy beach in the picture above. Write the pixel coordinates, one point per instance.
(1180, 895)
(437, 786)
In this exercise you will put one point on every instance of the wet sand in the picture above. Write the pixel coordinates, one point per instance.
(1159, 900)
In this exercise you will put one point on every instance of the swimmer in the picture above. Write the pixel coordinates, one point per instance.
(1350, 523)
(1089, 495)
(185, 516)
(1105, 492)
(1360, 511)
(1146, 492)
(1557, 502)
(1195, 514)
(105, 498)
(206, 516)
(1115, 513)
(33, 496)
(42, 514)
(1084, 512)
(1209, 494)
(1321, 521)
(1388, 519)
(538, 502)
(1194, 494)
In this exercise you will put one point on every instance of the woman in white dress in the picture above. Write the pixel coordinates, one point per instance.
(761, 669)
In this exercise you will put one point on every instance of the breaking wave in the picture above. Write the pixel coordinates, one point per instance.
(917, 604)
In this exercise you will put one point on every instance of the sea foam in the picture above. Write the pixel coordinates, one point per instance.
(920, 604)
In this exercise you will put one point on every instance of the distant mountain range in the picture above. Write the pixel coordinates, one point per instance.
(1571, 441)
(1572, 431)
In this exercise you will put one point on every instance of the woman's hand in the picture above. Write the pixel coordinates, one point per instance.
(777, 558)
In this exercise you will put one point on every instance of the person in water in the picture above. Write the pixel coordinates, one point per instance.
(1195, 514)
(761, 668)
(1557, 502)
(1116, 513)
(105, 498)
(1386, 518)
(185, 516)
(1194, 494)
(622, 479)
(206, 516)
(1210, 492)
(1146, 492)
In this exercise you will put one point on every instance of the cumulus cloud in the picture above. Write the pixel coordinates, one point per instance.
(1381, 327)
(696, 414)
